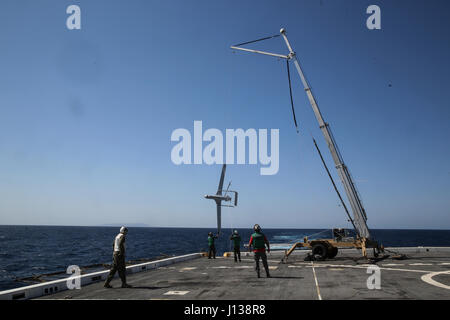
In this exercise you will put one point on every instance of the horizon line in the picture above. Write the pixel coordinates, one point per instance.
(172, 227)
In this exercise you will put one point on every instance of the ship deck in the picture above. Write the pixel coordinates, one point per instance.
(425, 274)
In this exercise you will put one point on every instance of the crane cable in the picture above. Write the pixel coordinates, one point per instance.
(248, 42)
(290, 94)
(334, 185)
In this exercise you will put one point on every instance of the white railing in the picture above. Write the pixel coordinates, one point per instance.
(51, 287)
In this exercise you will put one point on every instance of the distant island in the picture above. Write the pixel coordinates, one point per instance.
(131, 225)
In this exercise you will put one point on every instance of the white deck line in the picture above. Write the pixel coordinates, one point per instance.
(428, 278)
(50, 287)
(317, 283)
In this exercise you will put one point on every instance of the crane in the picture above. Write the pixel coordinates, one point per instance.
(359, 219)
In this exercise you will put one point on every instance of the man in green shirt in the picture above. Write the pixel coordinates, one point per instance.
(259, 241)
(236, 238)
(211, 245)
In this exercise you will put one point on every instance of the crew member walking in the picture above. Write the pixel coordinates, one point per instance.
(118, 259)
(236, 238)
(211, 246)
(259, 241)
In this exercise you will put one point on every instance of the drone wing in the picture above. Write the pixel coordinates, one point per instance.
(222, 177)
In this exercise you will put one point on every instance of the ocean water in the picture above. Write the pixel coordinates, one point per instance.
(34, 250)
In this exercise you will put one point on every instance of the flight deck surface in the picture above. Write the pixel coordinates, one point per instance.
(425, 274)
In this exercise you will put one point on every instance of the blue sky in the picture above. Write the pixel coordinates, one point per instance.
(86, 115)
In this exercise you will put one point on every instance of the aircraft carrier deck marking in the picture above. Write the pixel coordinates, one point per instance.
(365, 267)
(187, 269)
(428, 278)
(315, 279)
(176, 293)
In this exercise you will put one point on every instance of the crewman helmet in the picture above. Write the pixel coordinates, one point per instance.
(257, 228)
(124, 230)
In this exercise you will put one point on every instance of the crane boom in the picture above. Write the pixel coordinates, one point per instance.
(359, 213)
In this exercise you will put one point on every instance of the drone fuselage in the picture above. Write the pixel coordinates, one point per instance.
(218, 197)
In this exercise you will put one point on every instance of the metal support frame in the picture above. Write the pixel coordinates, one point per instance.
(360, 244)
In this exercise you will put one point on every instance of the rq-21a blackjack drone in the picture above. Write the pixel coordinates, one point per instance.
(219, 197)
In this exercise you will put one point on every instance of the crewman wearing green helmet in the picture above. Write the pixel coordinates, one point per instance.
(236, 238)
(259, 242)
(211, 245)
